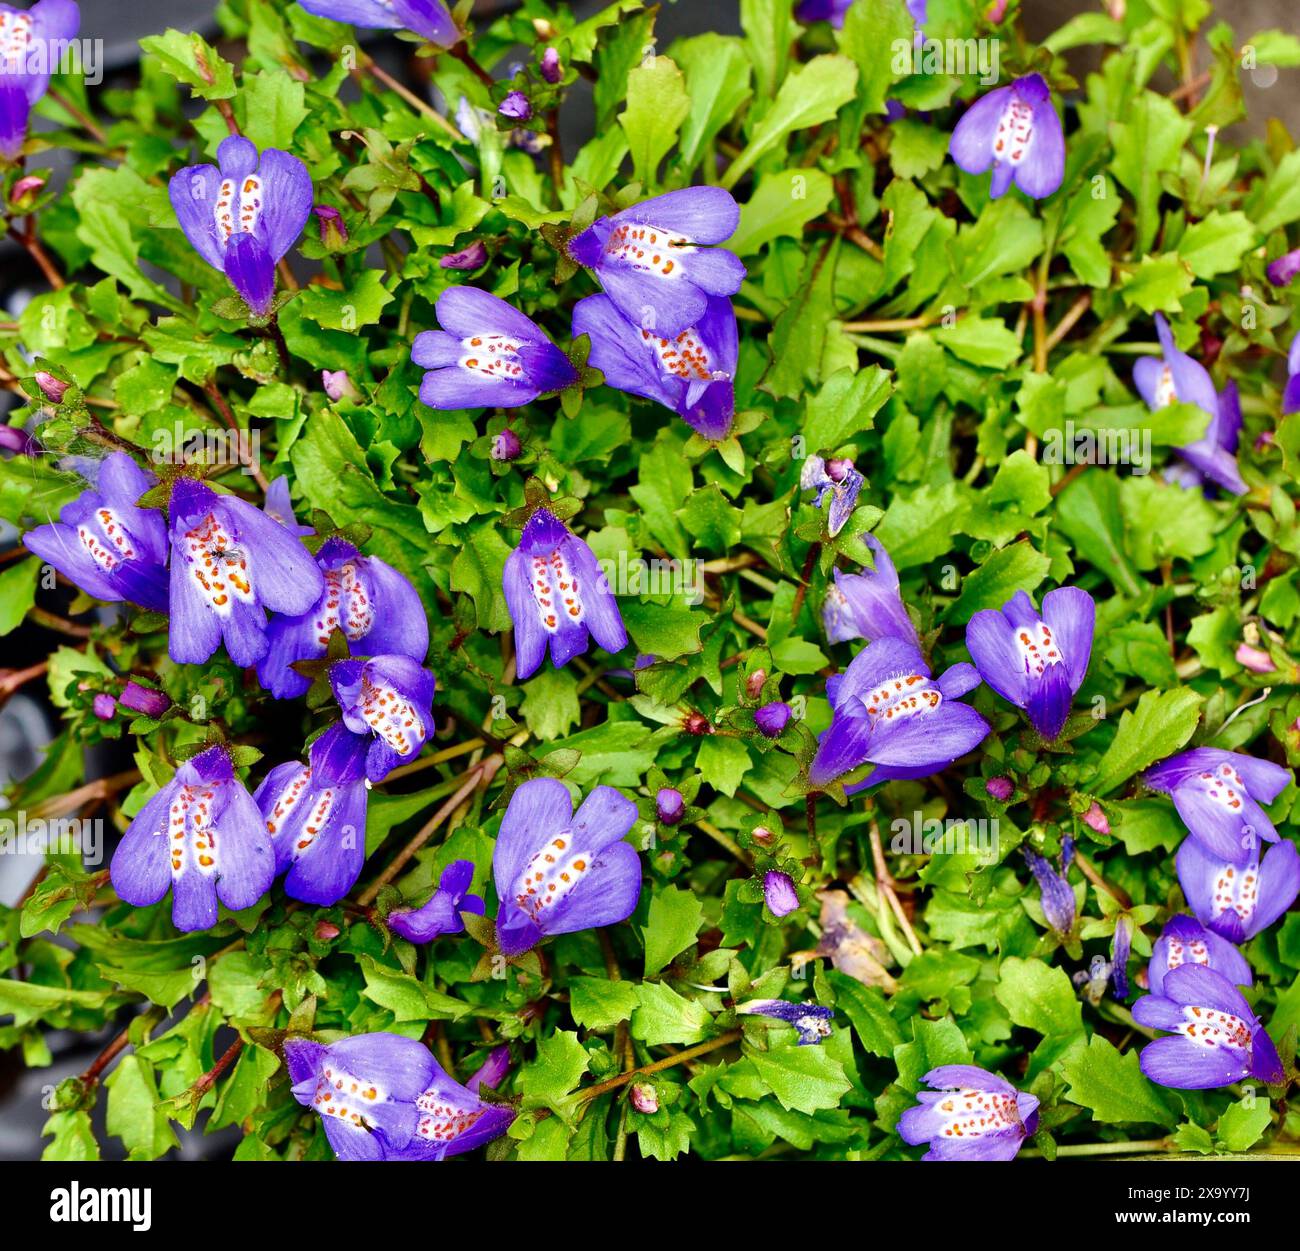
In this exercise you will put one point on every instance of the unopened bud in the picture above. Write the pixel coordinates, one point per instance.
(325, 931)
(516, 107)
(54, 389)
(104, 706)
(1000, 788)
(697, 723)
(472, 257)
(333, 231)
(1095, 819)
(754, 683)
(552, 70)
(645, 1098)
(670, 805)
(506, 445)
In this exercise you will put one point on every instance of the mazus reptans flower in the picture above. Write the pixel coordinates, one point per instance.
(430, 19)
(1184, 940)
(106, 545)
(1238, 900)
(389, 698)
(867, 605)
(31, 41)
(243, 214)
(1016, 131)
(1036, 660)
(558, 596)
(201, 837)
(969, 1114)
(441, 913)
(558, 871)
(230, 562)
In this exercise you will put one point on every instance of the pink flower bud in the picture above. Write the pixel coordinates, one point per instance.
(104, 706)
(337, 384)
(1095, 819)
(51, 387)
(697, 723)
(472, 257)
(1255, 659)
(645, 1098)
(325, 931)
(754, 683)
(761, 834)
(506, 445)
(23, 196)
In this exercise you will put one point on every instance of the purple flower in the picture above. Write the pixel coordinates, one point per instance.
(552, 70)
(1176, 378)
(487, 355)
(104, 706)
(315, 815)
(811, 1020)
(451, 1119)
(391, 698)
(1015, 130)
(31, 42)
(230, 563)
(772, 718)
(506, 445)
(557, 595)
(1290, 396)
(831, 11)
(779, 893)
(1186, 941)
(106, 545)
(144, 699)
(364, 1088)
(1218, 795)
(692, 373)
(1282, 270)
(867, 605)
(473, 256)
(279, 507)
(1055, 892)
(969, 1114)
(888, 710)
(650, 262)
(441, 914)
(1120, 947)
(244, 214)
(1238, 901)
(375, 606)
(430, 19)
(1215, 1039)
(669, 805)
(495, 1067)
(1000, 788)
(557, 871)
(203, 838)
(1036, 661)
(15, 439)
(839, 480)
(516, 107)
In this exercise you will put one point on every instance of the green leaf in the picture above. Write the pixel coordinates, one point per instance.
(561, 1062)
(982, 341)
(1161, 723)
(17, 593)
(809, 96)
(1020, 567)
(1147, 143)
(1040, 998)
(191, 60)
(868, 1013)
(598, 1004)
(1113, 1087)
(674, 919)
(133, 1112)
(846, 405)
(360, 305)
(274, 108)
(804, 1079)
(657, 104)
(663, 1016)
(1244, 1123)
(1216, 244)
(782, 204)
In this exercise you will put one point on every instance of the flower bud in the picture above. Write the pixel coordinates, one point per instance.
(23, 196)
(999, 788)
(104, 706)
(754, 683)
(337, 384)
(472, 257)
(772, 718)
(516, 107)
(333, 231)
(552, 70)
(1280, 271)
(1255, 659)
(506, 445)
(697, 723)
(762, 835)
(670, 805)
(1095, 819)
(779, 893)
(144, 699)
(54, 389)
(645, 1098)
(325, 931)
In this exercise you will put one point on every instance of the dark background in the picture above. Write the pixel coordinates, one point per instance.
(26, 721)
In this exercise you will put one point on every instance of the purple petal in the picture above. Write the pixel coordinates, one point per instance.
(1181, 1064)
